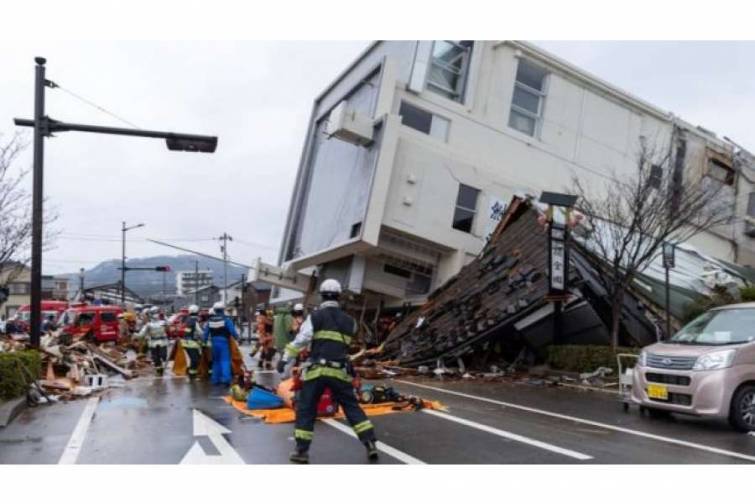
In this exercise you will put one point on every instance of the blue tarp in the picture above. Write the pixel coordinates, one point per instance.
(260, 398)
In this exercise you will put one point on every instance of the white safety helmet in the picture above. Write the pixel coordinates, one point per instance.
(330, 289)
(298, 307)
(219, 306)
(193, 309)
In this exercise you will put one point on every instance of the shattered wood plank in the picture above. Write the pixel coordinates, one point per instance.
(115, 367)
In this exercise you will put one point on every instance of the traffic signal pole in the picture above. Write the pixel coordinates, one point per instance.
(45, 126)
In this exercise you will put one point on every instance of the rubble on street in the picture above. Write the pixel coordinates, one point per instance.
(79, 368)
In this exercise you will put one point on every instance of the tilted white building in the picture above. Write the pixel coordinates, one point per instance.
(412, 150)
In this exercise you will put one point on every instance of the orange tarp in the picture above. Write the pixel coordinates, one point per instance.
(288, 415)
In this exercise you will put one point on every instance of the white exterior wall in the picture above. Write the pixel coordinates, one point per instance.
(587, 129)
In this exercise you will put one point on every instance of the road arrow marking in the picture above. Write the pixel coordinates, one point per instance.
(206, 426)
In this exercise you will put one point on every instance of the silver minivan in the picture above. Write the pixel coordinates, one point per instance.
(706, 369)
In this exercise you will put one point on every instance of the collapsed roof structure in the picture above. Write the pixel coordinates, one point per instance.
(500, 300)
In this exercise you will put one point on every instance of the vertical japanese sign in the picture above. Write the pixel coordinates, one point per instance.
(558, 260)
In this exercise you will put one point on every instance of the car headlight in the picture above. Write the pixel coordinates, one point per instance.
(715, 360)
(642, 360)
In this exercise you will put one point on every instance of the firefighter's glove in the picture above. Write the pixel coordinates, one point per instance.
(281, 366)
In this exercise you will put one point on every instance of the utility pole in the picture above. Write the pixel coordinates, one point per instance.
(46, 126)
(40, 130)
(224, 248)
(124, 228)
(81, 282)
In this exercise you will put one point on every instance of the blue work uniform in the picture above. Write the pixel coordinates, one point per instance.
(219, 330)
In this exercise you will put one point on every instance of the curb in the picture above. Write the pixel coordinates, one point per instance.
(10, 409)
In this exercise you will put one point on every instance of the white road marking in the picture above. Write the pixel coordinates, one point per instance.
(593, 423)
(510, 435)
(206, 426)
(73, 448)
(388, 450)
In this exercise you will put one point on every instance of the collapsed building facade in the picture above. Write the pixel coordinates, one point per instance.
(498, 305)
(413, 151)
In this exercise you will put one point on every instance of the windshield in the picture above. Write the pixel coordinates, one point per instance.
(26, 315)
(719, 327)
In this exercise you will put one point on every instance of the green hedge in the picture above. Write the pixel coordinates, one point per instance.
(747, 293)
(14, 382)
(584, 358)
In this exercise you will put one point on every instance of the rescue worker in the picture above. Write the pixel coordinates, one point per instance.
(298, 319)
(328, 332)
(265, 341)
(282, 322)
(220, 329)
(157, 340)
(49, 325)
(124, 333)
(191, 340)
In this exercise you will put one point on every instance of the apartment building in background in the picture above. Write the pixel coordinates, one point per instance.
(412, 153)
(189, 281)
(17, 279)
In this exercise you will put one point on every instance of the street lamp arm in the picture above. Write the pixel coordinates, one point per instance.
(175, 141)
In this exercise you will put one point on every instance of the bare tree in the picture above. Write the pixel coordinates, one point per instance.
(629, 217)
(15, 210)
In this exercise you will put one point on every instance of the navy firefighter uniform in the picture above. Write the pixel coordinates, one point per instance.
(328, 333)
(219, 330)
(191, 340)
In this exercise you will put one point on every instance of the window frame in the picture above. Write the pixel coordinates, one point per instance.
(730, 172)
(655, 181)
(474, 211)
(433, 118)
(456, 95)
(541, 95)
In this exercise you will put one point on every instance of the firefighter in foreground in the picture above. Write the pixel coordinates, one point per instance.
(220, 329)
(328, 331)
(157, 340)
(191, 340)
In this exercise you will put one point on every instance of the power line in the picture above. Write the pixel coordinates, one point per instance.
(92, 104)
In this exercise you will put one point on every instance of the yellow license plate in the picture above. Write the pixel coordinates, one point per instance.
(658, 392)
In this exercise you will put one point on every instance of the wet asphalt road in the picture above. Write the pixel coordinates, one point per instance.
(154, 421)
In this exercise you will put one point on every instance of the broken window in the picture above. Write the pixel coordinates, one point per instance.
(527, 100)
(424, 121)
(395, 270)
(656, 176)
(466, 208)
(449, 67)
(718, 170)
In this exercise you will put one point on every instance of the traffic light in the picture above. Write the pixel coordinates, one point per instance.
(162, 268)
(4, 293)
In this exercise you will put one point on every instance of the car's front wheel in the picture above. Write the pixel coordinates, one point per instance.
(742, 415)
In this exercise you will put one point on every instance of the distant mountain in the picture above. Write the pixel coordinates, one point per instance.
(147, 283)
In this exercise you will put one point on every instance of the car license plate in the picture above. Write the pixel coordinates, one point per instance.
(658, 392)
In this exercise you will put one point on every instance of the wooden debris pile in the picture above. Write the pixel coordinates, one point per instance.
(80, 368)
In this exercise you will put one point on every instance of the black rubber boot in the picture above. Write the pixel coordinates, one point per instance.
(299, 457)
(372, 451)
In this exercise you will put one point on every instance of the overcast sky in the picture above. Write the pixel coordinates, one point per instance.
(256, 96)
